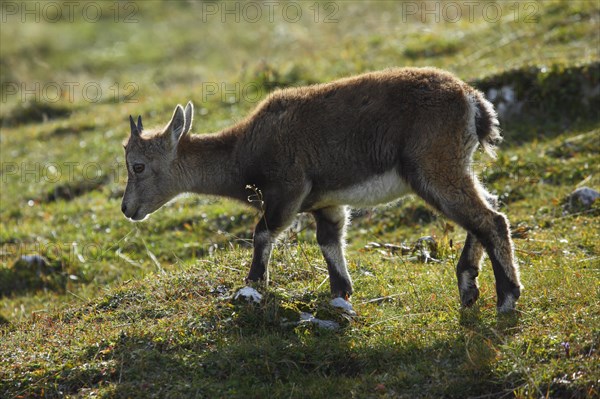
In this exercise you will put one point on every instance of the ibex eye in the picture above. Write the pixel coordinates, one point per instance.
(138, 167)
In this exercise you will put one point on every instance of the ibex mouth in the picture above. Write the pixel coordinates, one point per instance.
(133, 216)
(138, 216)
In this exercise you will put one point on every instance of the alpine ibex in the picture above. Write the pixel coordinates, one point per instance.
(359, 141)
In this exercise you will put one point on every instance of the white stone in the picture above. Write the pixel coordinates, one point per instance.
(327, 324)
(343, 304)
(250, 294)
(583, 196)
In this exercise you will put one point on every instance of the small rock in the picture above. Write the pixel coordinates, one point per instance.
(426, 247)
(581, 199)
(393, 248)
(326, 324)
(380, 389)
(249, 294)
(344, 305)
(33, 260)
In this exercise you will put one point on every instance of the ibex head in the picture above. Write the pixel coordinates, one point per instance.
(152, 178)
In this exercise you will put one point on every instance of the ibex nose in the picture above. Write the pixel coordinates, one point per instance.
(123, 208)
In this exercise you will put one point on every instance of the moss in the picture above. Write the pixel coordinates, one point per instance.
(269, 77)
(545, 95)
(32, 273)
(35, 112)
(72, 190)
(427, 46)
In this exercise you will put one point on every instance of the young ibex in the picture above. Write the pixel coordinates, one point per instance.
(360, 141)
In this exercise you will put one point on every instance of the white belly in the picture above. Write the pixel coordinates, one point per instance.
(377, 190)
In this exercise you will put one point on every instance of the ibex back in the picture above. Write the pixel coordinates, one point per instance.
(359, 141)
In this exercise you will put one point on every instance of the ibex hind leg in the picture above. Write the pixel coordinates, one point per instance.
(469, 264)
(461, 199)
(467, 271)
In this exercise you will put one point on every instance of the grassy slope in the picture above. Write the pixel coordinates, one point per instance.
(149, 310)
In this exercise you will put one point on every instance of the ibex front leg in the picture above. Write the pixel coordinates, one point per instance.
(263, 245)
(278, 215)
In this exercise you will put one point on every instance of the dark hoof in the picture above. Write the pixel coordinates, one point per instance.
(469, 296)
(507, 302)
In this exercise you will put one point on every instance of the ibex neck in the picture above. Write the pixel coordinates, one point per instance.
(207, 165)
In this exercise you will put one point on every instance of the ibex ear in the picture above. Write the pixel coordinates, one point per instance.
(139, 124)
(189, 116)
(135, 131)
(177, 124)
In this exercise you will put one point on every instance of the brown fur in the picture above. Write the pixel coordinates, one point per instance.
(317, 148)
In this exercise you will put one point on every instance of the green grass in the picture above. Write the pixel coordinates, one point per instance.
(145, 310)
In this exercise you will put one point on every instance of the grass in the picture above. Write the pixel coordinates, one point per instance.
(145, 310)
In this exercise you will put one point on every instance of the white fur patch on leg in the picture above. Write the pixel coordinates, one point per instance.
(466, 281)
(249, 294)
(508, 305)
(265, 238)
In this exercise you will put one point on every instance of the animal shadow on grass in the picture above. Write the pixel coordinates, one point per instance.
(244, 350)
(506, 323)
